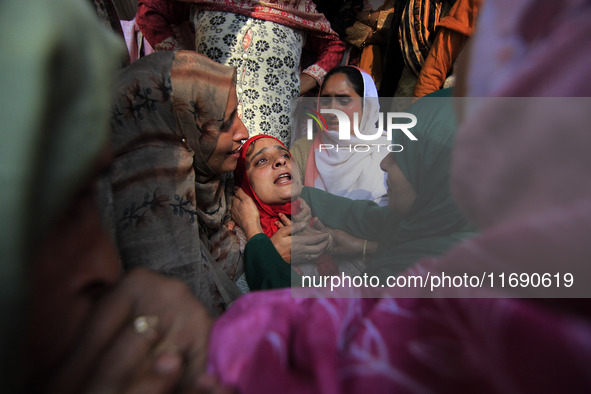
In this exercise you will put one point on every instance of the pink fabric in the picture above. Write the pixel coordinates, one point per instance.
(535, 161)
(405, 345)
(526, 183)
(531, 48)
(134, 40)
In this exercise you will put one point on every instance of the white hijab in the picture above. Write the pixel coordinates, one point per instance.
(355, 175)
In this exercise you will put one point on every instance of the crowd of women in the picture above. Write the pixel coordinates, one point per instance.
(284, 49)
(136, 213)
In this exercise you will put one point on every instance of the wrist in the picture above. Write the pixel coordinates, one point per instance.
(369, 248)
(252, 229)
(307, 83)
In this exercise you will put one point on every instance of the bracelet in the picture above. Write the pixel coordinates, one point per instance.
(364, 258)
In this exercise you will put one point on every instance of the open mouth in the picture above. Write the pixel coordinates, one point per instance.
(283, 179)
(331, 121)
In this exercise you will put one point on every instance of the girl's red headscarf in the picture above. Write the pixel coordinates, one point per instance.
(269, 213)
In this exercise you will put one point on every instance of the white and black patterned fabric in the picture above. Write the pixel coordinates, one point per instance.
(266, 56)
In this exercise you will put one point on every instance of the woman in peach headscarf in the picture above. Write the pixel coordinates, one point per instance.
(176, 135)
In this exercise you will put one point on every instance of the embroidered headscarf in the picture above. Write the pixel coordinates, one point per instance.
(345, 172)
(170, 206)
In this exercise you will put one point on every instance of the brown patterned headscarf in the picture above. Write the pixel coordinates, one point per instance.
(170, 208)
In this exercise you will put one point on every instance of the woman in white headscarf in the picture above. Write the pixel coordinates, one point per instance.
(348, 168)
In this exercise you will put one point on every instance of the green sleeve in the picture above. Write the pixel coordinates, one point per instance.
(361, 218)
(265, 268)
